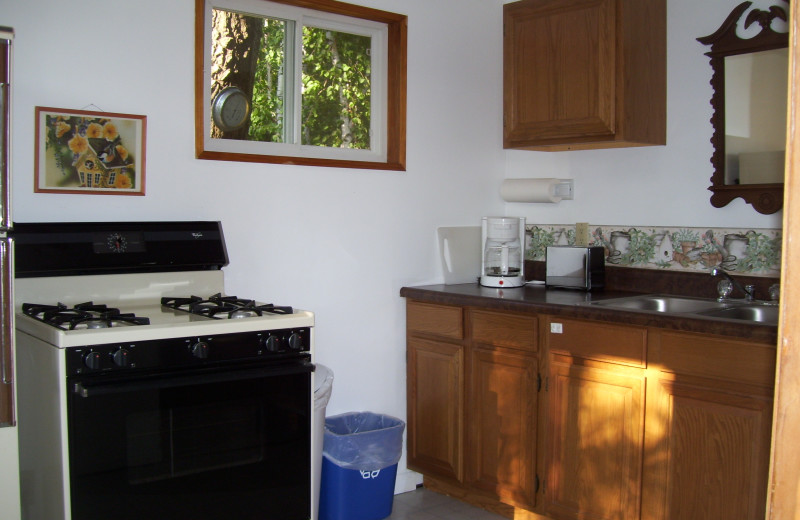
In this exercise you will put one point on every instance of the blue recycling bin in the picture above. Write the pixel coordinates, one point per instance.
(359, 466)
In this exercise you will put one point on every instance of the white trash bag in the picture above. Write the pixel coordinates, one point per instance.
(364, 441)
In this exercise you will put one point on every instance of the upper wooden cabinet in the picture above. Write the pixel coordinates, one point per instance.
(584, 74)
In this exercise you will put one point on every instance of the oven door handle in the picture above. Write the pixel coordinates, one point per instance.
(84, 389)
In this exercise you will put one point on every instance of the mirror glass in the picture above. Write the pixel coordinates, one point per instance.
(755, 116)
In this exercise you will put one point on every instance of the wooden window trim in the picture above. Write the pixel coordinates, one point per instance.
(395, 131)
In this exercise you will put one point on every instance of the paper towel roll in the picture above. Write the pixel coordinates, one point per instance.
(530, 190)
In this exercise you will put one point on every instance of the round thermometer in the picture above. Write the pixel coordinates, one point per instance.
(230, 109)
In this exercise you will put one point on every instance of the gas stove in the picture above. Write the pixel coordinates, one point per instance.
(127, 343)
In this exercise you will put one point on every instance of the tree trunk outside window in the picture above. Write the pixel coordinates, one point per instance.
(236, 42)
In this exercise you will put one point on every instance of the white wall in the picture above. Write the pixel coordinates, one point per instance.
(339, 242)
(343, 242)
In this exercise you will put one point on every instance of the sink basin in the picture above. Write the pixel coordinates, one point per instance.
(759, 313)
(698, 307)
(661, 303)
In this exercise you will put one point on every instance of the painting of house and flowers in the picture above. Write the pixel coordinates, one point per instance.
(79, 151)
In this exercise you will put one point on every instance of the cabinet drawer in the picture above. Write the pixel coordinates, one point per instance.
(714, 357)
(596, 340)
(441, 320)
(503, 329)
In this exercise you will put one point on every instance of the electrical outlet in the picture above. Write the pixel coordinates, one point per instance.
(582, 234)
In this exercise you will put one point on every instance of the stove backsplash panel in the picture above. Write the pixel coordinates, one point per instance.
(753, 252)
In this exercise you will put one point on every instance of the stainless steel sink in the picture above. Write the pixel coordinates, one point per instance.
(695, 307)
(661, 303)
(759, 313)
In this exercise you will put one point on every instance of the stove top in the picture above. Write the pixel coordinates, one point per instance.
(140, 296)
(153, 321)
(166, 283)
(223, 307)
(82, 316)
(90, 315)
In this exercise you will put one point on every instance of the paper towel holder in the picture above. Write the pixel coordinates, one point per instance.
(549, 190)
(565, 189)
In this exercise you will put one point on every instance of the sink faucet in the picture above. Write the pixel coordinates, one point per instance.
(748, 290)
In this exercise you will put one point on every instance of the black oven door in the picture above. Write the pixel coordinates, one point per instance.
(210, 444)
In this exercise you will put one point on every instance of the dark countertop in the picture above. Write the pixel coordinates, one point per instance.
(577, 304)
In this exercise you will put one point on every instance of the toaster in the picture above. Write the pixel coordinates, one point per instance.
(575, 267)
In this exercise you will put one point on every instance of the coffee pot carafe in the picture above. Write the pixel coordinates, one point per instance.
(503, 260)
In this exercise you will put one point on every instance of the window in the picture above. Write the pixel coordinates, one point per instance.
(313, 82)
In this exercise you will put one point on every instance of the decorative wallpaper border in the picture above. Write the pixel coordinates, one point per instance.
(753, 252)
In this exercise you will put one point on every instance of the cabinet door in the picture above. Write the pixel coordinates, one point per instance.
(501, 446)
(708, 452)
(435, 407)
(594, 440)
(584, 74)
(559, 70)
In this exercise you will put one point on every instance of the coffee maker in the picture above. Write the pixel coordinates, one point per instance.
(503, 243)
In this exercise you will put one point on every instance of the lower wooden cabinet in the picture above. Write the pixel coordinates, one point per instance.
(595, 416)
(594, 448)
(707, 439)
(502, 419)
(545, 417)
(709, 453)
(435, 408)
(473, 379)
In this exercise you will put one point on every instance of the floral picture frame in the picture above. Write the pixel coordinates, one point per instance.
(89, 152)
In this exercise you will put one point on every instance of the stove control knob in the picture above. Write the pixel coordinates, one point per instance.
(93, 360)
(121, 357)
(272, 343)
(200, 350)
(295, 341)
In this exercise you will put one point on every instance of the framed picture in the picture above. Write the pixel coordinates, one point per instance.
(79, 151)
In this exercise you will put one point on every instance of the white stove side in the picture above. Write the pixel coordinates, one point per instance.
(42, 424)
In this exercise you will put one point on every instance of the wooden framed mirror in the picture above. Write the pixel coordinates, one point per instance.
(749, 62)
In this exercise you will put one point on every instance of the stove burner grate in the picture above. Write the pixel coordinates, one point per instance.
(81, 316)
(223, 307)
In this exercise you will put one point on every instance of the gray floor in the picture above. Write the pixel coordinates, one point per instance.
(427, 505)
